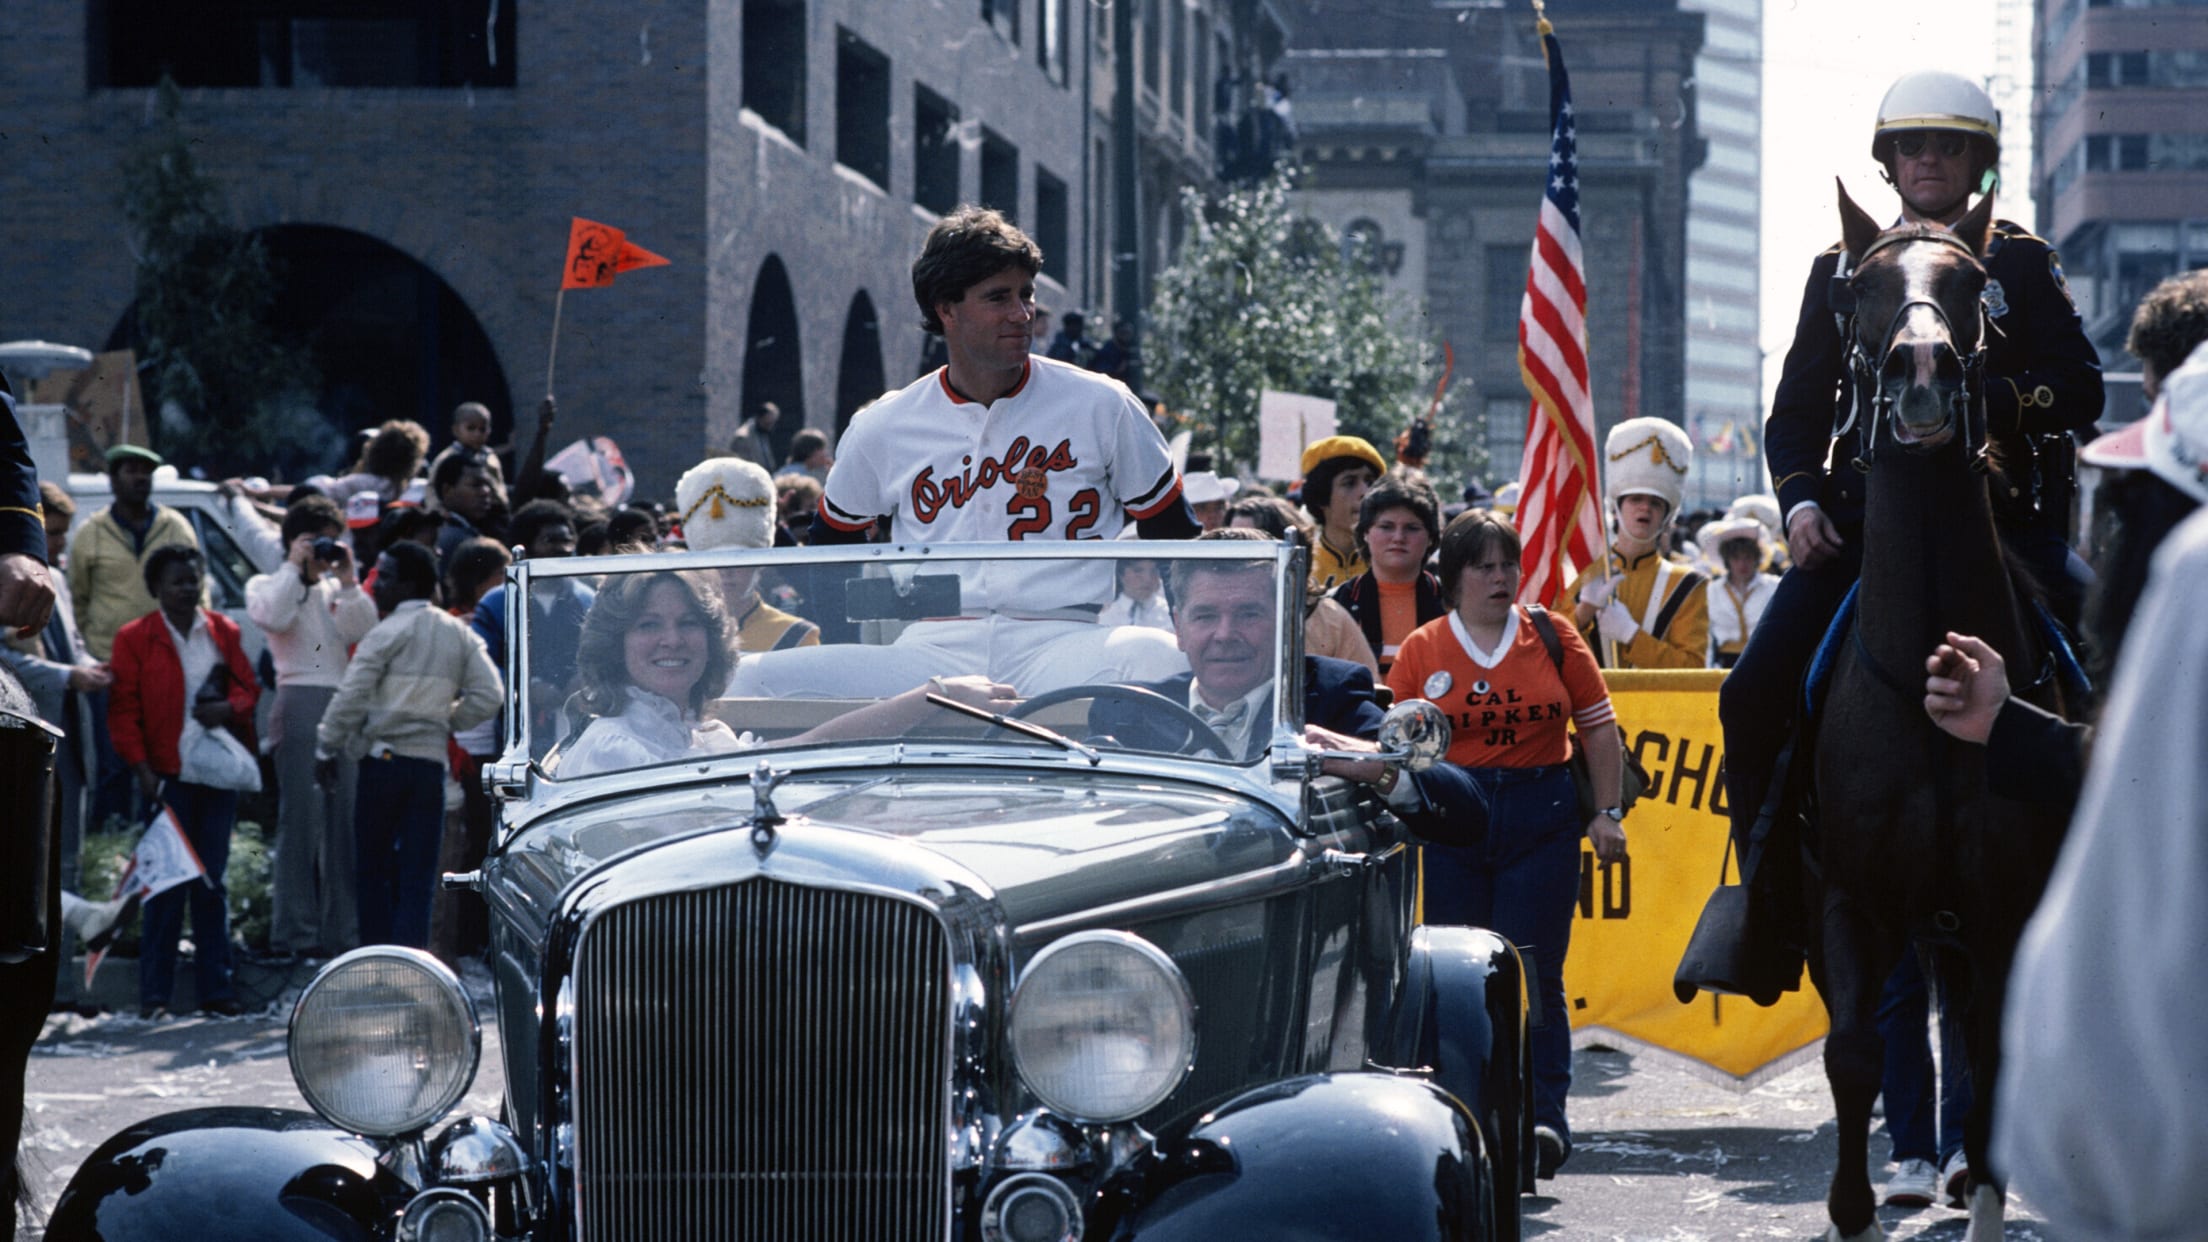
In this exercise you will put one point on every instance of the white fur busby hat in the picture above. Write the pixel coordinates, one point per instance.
(1763, 508)
(726, 502)
(1646, 457)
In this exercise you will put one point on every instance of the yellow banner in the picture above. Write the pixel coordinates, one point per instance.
(1635, 917)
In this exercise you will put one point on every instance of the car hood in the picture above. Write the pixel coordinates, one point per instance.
(1042, 847)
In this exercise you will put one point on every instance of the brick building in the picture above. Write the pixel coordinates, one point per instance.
(413, 165)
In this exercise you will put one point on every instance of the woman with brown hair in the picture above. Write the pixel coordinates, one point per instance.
(656, 647)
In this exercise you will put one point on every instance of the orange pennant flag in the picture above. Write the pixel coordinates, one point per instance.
(596, 253)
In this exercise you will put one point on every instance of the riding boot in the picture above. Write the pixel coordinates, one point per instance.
(1760, 706)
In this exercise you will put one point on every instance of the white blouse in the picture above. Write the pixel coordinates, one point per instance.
(651, 729)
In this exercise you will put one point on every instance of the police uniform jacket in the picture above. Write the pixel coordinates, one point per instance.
(2042, 382)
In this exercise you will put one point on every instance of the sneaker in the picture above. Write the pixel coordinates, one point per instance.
(1913, 1185)
(1549, 1151)
(1955, 1180)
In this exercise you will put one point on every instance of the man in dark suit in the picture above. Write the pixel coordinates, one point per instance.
(1223, 615)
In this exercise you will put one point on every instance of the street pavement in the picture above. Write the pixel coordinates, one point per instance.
(1661, 1153)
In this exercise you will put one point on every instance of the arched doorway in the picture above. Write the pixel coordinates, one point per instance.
(773, 363)
(387, 336)
(859, 376)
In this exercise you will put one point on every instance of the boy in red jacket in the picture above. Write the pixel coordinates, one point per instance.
(178, 658)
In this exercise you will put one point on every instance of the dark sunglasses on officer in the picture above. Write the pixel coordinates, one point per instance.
(1911, 144)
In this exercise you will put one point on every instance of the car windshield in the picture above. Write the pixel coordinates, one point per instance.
(1162, 648)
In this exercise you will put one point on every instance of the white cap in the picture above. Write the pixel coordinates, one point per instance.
(1506, 497)
(726, 502)
(1201, 487)
(1646, 457)
(2172, 440)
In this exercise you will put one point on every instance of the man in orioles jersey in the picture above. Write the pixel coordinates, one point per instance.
(1638, 607)
(999, 444)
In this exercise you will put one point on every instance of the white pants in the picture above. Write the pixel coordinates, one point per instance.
(1031, 656)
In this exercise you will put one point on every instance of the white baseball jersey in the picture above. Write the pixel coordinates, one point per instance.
(1067, 454)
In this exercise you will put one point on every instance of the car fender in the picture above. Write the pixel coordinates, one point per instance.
(1323, 1156)
(240, 1174)
(1461, 1017)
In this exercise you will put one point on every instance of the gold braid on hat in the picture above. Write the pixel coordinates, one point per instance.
(720, 497)
(1662, 458)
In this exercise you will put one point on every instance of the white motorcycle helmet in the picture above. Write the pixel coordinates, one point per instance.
(1937, 101)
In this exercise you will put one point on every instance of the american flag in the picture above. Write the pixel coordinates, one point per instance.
(1559, 510)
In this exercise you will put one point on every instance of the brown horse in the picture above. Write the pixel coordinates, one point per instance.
(1912, 850)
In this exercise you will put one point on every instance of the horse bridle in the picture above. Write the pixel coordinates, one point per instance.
(1872, 405)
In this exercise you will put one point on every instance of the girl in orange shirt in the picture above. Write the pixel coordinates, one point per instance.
(1508, 706)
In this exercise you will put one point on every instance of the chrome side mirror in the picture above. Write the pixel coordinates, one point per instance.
(1415, 734)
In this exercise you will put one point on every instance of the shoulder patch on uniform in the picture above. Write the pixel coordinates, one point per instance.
(2054, 269)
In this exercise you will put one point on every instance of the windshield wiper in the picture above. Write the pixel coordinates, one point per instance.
(1027, 728)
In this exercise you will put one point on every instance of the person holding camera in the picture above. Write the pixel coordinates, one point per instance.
(312, 609)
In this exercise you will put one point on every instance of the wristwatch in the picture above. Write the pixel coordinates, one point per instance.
(1616, 813)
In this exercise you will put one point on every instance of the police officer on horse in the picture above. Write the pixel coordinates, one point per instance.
(1938, 139)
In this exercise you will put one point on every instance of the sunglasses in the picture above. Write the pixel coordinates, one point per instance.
(1911, 145)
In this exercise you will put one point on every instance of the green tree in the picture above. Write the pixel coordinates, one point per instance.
(230, 393)
(1262, 296)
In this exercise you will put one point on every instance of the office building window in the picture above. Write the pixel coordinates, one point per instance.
(934, 151)
(1003, 16)
(300, 44)
(1177, 27)
(1503, 433)
(1202, 86)
(1051, 43)
(862, 108)
(2116, 152)
(1153, 43)
(1506, 288)
(2107, 69)
(1100, 221)
(774, 64)
(1051, 211)
(2177, 152)
(1000, 174)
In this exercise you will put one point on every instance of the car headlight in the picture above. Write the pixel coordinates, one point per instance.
(1102, 1026)
(384, 1041)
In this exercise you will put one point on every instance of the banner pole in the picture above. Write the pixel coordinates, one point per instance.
(552, 355)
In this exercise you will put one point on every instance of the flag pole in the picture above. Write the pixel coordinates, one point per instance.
(552, 355)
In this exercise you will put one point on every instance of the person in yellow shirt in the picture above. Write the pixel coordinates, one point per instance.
(1336, 473)
(1640, 607)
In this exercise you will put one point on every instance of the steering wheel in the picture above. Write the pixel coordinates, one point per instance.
(1200, 735)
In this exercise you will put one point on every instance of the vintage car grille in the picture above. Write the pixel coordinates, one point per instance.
(762, 1061)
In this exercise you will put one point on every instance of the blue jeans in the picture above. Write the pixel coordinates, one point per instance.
(1907, 1081)
(1522, 883)
(398, 824)
(206, 815)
